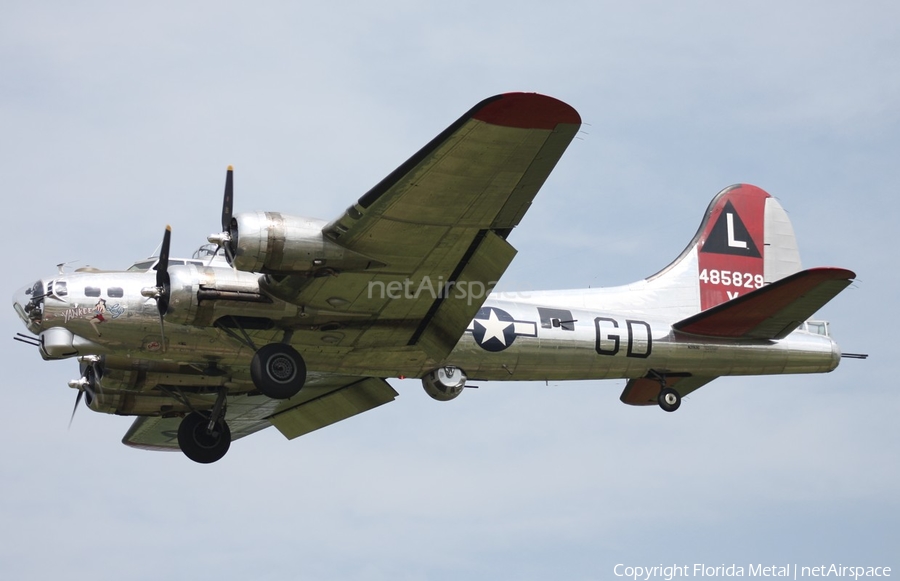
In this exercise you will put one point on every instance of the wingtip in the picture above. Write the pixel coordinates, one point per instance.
(230, 168)
(527, 111)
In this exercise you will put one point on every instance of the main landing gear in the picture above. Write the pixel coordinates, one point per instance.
(668, 399)
(278, 372)
(199, 442)
(205, 437)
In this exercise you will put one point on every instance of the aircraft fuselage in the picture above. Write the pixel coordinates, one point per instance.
(105, 313)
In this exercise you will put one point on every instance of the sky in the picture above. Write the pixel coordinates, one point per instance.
(120, 118)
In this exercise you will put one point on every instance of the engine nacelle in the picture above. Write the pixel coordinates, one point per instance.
(207, 294)
(444, 383)
(273, 243)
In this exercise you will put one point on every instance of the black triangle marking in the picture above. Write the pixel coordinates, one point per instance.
(740, 243)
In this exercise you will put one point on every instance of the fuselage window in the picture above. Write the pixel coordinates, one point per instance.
(115, 292)
(91, 291)
(59, 288)
(818, 327)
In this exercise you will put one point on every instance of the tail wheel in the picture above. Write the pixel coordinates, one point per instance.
(198, 443)
(278, 371)
(669, 399)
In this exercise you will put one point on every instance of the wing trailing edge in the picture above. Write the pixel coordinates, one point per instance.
(771, 312)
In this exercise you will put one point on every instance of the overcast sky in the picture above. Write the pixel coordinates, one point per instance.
(119, 118)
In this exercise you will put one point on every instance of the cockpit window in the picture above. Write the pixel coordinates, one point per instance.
(146, 265)
(205, 251)
(141, 266)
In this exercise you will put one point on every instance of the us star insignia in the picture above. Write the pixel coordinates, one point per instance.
(494, 329)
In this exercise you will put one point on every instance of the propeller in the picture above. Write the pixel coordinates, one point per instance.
(75, 409)
(163, 289)
(89, 382)
(225, 238)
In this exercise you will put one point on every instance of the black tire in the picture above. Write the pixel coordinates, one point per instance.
(200, 446)
(669, 400)
(278, 371)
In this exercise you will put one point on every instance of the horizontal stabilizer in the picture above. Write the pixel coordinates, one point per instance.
(771, 312)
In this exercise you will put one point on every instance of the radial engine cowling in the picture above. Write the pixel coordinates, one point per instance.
(444, 383)
(271, 242)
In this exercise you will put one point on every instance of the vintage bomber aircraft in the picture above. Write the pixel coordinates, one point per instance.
(301, 320)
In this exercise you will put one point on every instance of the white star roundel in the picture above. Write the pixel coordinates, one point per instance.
(494, 329)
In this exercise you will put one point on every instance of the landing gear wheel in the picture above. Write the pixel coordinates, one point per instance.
(198, 444)
(668, 399)
(278, 371)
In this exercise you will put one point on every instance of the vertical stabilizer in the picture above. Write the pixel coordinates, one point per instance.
(744, 242)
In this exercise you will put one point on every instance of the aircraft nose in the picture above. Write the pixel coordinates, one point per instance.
(29, 307)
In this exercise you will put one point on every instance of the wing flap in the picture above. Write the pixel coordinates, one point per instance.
(333, 407)
(161, 434)
(771, 312)
(153, 433)
(325, 400)
(451, 312)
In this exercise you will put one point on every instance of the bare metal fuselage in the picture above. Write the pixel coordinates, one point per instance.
(105, 314)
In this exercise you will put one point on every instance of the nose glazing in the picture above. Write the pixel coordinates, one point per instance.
(28, 304)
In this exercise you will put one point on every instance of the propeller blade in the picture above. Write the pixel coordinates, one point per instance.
(228, 202)
(228, 214)
(224, 239)
(94, 374)
(75, 409)
(163, 281)
(162, 332)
